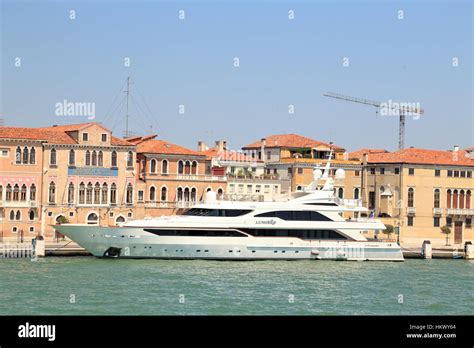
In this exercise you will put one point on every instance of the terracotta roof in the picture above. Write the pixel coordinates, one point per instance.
(289, 140)
(52, 137)
(165, 147)
(227, 155)
(423, 156)
(53, 134)
(358, 154)
(72, 127)
(139, 139)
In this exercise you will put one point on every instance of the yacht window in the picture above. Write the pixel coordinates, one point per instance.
(196, 233)
(303, 234)
(298, 215)
(216, 212)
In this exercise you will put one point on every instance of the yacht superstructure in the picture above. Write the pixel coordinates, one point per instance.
(308, 224)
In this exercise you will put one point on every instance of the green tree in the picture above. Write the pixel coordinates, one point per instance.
(62, 220)
(447, 231)
(388, 230)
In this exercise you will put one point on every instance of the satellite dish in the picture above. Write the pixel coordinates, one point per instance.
(340, 174)
(317, 174)
(210, 197)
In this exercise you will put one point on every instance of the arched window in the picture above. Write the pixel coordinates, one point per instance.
(340, 192)
(70, 193)
(92, 219)
(187, 168)
(105, 191)
(180, 167)
(31, 215)
(179, 194)
(436, 198)
(12, 215)
(152, 193)
(193, 194)
(52, 157)
(89, 191)
(97, 193)
(94, 158)
(113, 193)
(18, 215)
(82, 193)
(16, 192)
(448, 199)
(72, 157)
(23, 193)
(164, 193)
(8, 196)
(113, 159)
(220, 193)
(88, 158)
(186, 194)
(356, 193)
(129, 196)
(411, 197)
(52, 192)
(164, 167)
(18, 155)
(153, 166)
(25, 155)
(130, 159)
(461, 199)
(468, 199)
(32, 156)
(1, 193)
(194, 167)
(455, 199)
(101, 159)
(32, 192)
(119, 220)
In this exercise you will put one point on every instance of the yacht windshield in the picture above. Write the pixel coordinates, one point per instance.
(216, 212)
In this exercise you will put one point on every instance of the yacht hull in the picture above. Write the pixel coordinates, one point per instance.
(135, 242)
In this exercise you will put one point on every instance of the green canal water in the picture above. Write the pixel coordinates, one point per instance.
(161, 287)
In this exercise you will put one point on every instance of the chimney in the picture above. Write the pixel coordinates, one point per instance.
(365, 158)
(201, 146)
(456, 148)
(263, 142)
(220, 145)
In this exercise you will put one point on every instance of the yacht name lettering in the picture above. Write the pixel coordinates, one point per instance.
(37, 331)
(265, 222)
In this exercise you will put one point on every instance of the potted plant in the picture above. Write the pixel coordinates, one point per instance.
(389, 229)
(447, 231)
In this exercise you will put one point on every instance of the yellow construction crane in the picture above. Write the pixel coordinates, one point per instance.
(403, 109)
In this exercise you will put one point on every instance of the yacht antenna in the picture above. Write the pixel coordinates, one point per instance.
(328, 165)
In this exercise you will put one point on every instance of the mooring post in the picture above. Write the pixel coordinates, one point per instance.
(468, 251)
(426, 251)
(40, 246)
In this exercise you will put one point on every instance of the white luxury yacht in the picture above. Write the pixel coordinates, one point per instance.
(307, 224)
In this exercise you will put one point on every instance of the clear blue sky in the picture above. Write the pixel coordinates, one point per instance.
(282, 62)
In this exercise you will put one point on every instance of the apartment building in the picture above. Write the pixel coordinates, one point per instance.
(419, 191)
(171, 178)
(294, 157)
(77, 173)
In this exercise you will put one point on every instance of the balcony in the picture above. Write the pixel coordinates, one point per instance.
(158, 204)
(19, 204)
(349, 203)
(457, 211)
(183, 177)
(411, 210)
(438, 211)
